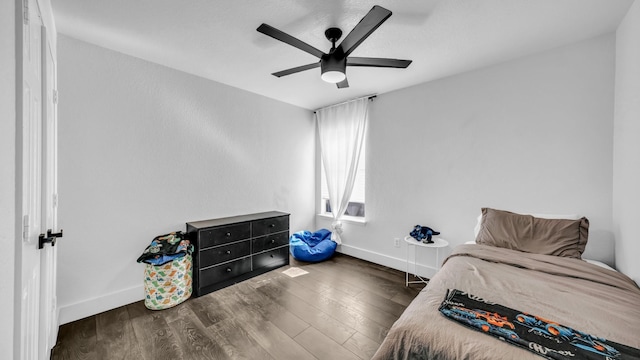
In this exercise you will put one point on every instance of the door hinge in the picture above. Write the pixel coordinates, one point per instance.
(55, 200)
(25, 227)
(25, 11)
(55, 96)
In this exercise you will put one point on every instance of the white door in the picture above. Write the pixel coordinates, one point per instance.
(37, 181)
(48, 256)
(31, 182)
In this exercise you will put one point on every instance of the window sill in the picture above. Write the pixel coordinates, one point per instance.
(346, 219)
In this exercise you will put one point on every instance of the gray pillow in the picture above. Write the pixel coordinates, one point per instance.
(559, 237)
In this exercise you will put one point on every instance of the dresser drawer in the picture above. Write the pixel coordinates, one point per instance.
(271, 258)
(225, 271)
(224, 253)
(270, 225)
(224, 234)
(270, 241)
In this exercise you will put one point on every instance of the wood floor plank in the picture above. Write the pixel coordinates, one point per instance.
(411, 290)
(263, 332)
(370, 268)
(208, 309)
(322, 346)
(362, 346)
(277, 343)
(332, 304)
(361, 280)
(155, 337)
(372, 330)
(360, 316)
(195, 340)
(236, 341)
(176, 313)
(316, 318)
(373, 313)
(286, 321)
(332, 287)
(115, 336)
(405, 298)
(328, 282)
(137, 309)
(380, 302)
(361, 274)
(77, 340)
(340, 310)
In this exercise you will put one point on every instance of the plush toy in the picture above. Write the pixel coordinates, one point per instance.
(423, 233)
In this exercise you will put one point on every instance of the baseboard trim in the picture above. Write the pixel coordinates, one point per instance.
(89, 307)
(381, 259)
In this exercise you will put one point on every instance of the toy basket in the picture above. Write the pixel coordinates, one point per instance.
(169, 284)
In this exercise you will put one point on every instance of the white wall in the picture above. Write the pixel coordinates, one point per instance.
(626, 135)
(534, 134)
(144, 149)
(8, 173)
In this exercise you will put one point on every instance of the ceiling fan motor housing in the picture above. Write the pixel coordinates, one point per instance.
(333, 67)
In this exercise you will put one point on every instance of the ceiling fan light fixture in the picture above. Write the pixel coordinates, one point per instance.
(333, 76)
(333, 69)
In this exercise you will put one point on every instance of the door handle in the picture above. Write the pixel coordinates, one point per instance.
(49, 238)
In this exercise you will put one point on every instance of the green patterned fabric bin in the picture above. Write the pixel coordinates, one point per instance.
(168, 285)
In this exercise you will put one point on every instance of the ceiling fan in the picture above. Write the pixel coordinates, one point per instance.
(333, 64)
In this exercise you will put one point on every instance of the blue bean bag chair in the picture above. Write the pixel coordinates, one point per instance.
(312, 247)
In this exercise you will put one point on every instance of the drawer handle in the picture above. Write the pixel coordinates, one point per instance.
(228, 270)
(228, 252)
(272, 225)
(227, 234)
(273, 241)
(271, 255)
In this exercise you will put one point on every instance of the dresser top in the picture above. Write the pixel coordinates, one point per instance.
(234, 219)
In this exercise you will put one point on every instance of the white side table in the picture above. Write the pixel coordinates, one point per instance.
(437, 244)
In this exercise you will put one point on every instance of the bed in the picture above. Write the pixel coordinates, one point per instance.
(550, 281)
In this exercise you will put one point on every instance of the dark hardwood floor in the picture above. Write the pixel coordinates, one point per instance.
(341, 309)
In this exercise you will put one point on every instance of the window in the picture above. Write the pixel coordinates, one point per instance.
(357, 200)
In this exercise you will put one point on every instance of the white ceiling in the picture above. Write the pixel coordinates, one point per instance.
(217, 39)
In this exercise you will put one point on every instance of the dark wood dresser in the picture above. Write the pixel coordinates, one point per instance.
(233, 249)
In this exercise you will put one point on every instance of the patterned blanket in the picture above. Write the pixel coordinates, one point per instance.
(541, 336)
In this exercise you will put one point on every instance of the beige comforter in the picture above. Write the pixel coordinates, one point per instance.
(569, 291)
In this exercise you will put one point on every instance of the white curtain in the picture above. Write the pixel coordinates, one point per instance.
(341, 130)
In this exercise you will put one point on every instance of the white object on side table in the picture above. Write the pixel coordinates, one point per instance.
(437, 244)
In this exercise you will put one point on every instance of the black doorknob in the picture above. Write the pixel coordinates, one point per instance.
(49, 238)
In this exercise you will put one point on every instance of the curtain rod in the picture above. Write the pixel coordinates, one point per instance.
(370, 97)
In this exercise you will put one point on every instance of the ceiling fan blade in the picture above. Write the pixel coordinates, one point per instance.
(369, 23)
(377, 62)
(343, 84)
(296, 69)
(286, 38)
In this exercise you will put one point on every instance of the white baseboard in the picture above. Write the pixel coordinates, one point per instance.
(89, 307)
(389, 261)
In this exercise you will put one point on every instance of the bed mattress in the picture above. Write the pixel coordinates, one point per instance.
(569, 291)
